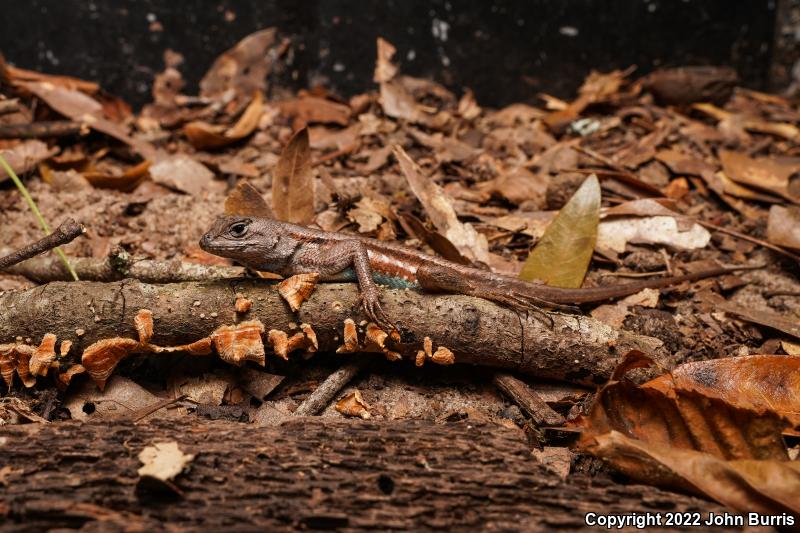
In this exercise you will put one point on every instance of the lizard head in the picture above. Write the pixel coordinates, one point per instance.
(246, 239)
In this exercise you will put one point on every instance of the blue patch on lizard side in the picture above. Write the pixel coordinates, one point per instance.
(383, 279)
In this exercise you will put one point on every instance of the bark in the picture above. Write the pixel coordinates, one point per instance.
(573, 348)
(304, 474)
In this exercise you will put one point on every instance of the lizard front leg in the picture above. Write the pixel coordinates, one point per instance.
(331, 259)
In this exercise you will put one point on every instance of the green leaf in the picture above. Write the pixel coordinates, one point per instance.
(562, 256)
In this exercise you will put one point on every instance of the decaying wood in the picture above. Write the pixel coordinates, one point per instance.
(64, 233)
(322, 395)
(573, 348)
(308, 473)
(527, 399)
(119, 267)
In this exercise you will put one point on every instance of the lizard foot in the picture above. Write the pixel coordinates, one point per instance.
(372, 308)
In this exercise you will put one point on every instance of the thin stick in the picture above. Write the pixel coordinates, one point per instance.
(66, 232)
(32, 205)
(322, 396)
(746, 237)
(39, 130)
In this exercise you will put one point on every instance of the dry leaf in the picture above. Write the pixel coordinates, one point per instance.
(245, 200)
(162, 463)
(208, 389)
(313, 110)
(242, 69)
(385, 70)
(615, 314)
(768, 487)
(25, 156)
(182, 173)
(763, 317)
(687, 85)
(562, 256)
(783, 226)
(354, 405)
(615, 234)
(684, 418)
(756, 382)
(82, 108)
(120, 398)
(439, 208)
(203, 135)
(766, 174)
(127, 181)
(293, 182)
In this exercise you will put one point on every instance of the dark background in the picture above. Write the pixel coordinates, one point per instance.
(505, 51)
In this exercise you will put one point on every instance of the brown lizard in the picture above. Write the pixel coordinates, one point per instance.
(287, 249)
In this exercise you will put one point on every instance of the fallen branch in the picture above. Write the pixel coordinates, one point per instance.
(530, 402)
(66, 232)
(42, 130)
(122, 266)
(573, 348)
(392, 475)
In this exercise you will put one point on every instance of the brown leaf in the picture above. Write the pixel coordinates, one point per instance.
(783, 226)
(385, 70)
(687, 85)
(25, 156)
(244, 68)
(127, 181)
(562, 256)
(183, 173)
(293, 182)
(780, 129)
(245, 200)
(762, 316)
(763, 173)
(768, 486)
(686, 419)
(439, 208)
(84, 109)
(204, 135)
(312, 110)
(756, 382)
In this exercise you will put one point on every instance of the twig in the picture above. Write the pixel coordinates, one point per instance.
(42, 222)
(136, 416)
(322, 396)
(746, 237)
(117, 267)
(44, 129)
(66, 232)
(530, 402)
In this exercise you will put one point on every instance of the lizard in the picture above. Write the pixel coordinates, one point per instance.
(287, 249)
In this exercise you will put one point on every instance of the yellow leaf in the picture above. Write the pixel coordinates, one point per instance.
(562, 256)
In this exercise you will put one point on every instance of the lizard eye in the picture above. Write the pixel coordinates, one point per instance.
(238, 230)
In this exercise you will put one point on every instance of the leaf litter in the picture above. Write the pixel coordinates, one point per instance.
(685, 164)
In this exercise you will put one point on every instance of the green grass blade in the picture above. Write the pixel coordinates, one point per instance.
(35, 209)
